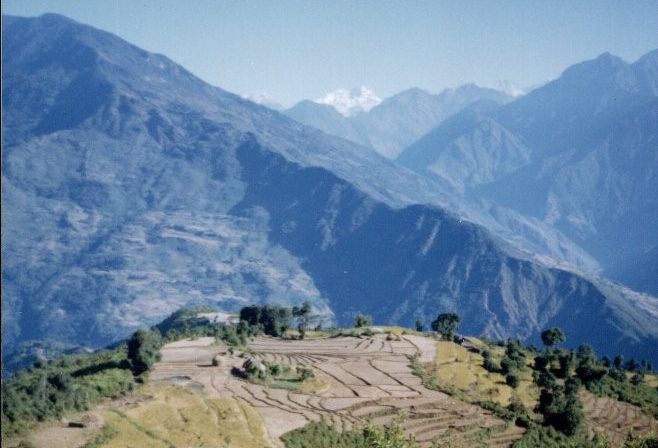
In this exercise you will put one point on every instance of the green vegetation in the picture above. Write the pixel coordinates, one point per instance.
(362, 320)
(558, 373)
(429, 380)
(185, 323)
(273, 320)
(302, 313)
(143, 350)
(321, 435)
(641, 395)
(71, 383)
(446, 325)
(552, 337)
(281, 376)
(648, 441)
(548, 437)
(352, 333)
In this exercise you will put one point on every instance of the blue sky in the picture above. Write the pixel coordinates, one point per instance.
(292, 50)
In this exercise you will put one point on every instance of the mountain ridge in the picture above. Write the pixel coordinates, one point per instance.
(397, 120)
(577, 154)
(166, 193)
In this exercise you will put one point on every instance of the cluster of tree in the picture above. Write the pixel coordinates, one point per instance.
(513, 362)
(446, 324)
(186, 323)
(303, 316)
(548, 437)
(275, 320)
(144, 350)
(559, 403)
(561, 407)
(362, 320)
(270, 373)
(71, 383)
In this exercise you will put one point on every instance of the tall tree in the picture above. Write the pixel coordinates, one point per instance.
(143, 350)
(552, 337)
(446, 324)
(302, 314)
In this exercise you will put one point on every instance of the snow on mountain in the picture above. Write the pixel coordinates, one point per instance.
(264, 100)
(510, 88)
(351, 102)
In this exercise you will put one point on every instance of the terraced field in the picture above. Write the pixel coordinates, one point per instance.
(366, 379)
(614, 418)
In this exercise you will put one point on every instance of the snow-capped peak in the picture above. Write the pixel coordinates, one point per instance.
(350, 102)
(264, 100)
(509, 88)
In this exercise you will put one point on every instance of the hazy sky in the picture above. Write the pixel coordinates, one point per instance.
(302, 49)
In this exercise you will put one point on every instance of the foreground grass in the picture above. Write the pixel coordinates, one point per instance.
(174, 416)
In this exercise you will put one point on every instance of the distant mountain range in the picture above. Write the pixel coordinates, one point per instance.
(131, 188)
(579, 154)
(351, 102)
(396, 122)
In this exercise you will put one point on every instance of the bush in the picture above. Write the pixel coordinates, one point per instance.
(321, 435)
(274, 320)
(143, 350)
(512, 379)
(445, 324)
(545, 379)
(647, 441)
(490, 365)
(562, 412)
(305, 373)
(567, 361)
(362, 320)
(541, 362)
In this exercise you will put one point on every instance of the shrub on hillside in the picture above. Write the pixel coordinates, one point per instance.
(143, 350)
(362, 320)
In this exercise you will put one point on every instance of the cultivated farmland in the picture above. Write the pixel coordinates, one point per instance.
(365, 380)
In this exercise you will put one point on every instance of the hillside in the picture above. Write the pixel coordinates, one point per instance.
(131, 188)
(339, 387)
